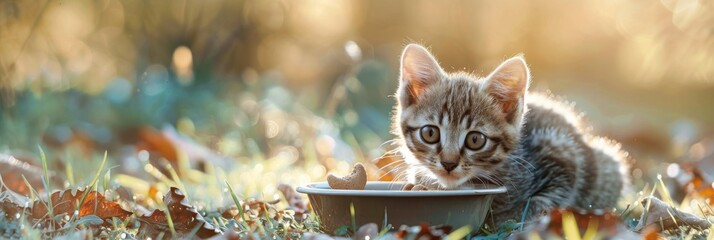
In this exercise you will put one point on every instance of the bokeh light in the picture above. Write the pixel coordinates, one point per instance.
(293, 90)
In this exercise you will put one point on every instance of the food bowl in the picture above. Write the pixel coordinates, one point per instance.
(382, 201)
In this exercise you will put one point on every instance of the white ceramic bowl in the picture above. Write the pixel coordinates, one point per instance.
(385, 200)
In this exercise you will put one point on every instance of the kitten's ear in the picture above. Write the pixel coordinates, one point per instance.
(418, 71)
(508, 84)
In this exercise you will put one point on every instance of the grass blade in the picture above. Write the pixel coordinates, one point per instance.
(93, 184)
(570, 227)
(460, 233)
(170, 221)
(525, 212)
(69, 171)
(236, 201)
(352, 214)
(46, 182)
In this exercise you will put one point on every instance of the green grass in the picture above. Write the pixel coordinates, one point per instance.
(214, 189)
(253, 164)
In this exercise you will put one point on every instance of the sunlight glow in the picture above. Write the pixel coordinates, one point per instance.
(183, 62)
(672, 170)
(353, 50)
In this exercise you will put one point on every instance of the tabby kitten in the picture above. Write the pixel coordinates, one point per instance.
(458, 131)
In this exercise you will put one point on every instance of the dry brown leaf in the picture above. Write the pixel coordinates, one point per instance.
(700, 185)
(259, 208)
(294, 199)
(168, 144)
(66, 202)
(252, 209)
(12, 203)
(229, 213)
(185, 219)
(663, 217)
(650, 233)
(12, 168)
(154, 141)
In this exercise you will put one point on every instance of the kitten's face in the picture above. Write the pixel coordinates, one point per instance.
(455, 127)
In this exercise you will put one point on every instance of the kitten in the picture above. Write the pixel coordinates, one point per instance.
(458, 131)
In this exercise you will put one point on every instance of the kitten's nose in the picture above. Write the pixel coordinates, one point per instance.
(449, 166)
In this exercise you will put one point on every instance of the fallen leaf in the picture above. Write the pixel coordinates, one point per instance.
(66, 202)
(294, 199)
(185, 219)
(12, 168)
(650, 233)
(155, 141)
(229, 213)
(700, 185)
(295, 202)
(169, 144)
(12, 203)
(664, 217)
(259, 208)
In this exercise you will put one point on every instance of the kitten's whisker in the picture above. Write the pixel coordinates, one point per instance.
(480, 180)
(499, 181)
(389, 165)
(392, 153)
(519, 159)
(392, 170)
(392, 142)
(520, 163)
(400, 176)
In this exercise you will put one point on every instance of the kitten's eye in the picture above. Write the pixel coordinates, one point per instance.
(475, 140)
(430, 134)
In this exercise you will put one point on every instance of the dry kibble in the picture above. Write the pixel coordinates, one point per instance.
(357, 180)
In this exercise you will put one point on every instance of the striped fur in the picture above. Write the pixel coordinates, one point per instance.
(538, 147)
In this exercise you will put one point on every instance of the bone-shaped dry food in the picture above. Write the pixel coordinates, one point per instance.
(357, 180)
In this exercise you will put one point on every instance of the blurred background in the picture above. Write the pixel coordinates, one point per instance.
(267, 91)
